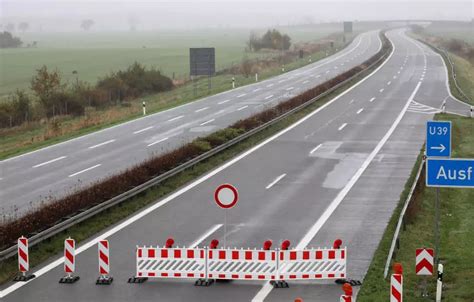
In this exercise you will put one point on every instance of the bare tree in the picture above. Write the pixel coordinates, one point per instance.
(87, 24)
(10, 27)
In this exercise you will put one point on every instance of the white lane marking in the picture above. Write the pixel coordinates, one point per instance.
(241, 95)
(304, 82)
(142, 130)
(371, 100)
(281, 81)
(342, 127)
(255, 90)
(360, 110)
(314, 150)
(158, 141)
(318, 75)
(394, 76)
(352, 101)
(270, 85)
(398, 72)
(223, 102)
(209, 121)
(389, 82)
(267, 287)
(93, 242)
(101, 144)
(85, 170)
(335, 67)
(381, 90)
(275, 181)
(242, 108)
(202, 109)
(176, 118)
(328, 71)
(49, 161)
(289, 88)
(269, 97)
(205, 235)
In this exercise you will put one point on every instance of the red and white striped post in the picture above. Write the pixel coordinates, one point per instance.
(69, 261)
(396, 283)
(104, 263)
(347, 297)
(23, 260)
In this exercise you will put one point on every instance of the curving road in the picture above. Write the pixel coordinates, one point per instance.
(54, 171)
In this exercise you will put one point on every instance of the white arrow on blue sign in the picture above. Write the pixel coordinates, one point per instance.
(438, 139)
(454, 172)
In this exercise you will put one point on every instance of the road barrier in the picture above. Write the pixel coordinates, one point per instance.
(396, 284)
(23, 260)
(103, 248)
(347, 297)
(209, 264)
(69, 261)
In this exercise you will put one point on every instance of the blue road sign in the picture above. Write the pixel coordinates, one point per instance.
(438, 139)
(453, 172)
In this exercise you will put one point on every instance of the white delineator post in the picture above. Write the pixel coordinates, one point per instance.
(104, 263)
(69, 261)
(144, 107)
(472, 111)
(439, 283)
(396, 284)
(233, 82)
(256, 77)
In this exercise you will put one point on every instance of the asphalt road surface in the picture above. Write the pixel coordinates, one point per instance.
(61, 168)
(337, 173)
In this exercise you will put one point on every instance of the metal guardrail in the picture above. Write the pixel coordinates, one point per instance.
(401, 221)
(45, 234)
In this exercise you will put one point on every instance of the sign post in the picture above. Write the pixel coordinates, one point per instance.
(226, 197)
(424, 266)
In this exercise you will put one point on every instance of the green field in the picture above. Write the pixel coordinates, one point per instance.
(95, 54)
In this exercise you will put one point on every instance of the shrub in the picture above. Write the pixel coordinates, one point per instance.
(7, 40)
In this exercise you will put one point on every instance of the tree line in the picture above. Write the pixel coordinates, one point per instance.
(272, 39)
(53, 97)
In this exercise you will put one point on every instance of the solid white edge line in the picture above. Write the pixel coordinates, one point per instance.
(190, 186)
(275, 181)
(144, 129)
(85, 170)
(49, 161)
(205, 235)
(316, 148)
(158, 141)
(101, 144)
(267, 287)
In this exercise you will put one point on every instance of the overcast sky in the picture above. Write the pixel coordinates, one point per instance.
(66, 15)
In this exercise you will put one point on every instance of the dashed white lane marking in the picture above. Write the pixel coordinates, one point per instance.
(398, 72)
(394, 76)
(176, 118)
(389, 82)
(270, 85)
(342, 127)
(205, 235)
(269, 97)
(371, 100)
(289, 88)
(335, 67)
(381, 90)
(281, 81)
(242, 108)
(328, 71)
(352, 101)
(207, 122)
(49, 161)
(241, 95)
(360, 110)
(142, 130)
(318, 75)
(275, 181)
(101, 144)
(85, 170)
(255, 90)
(202, 109)
(158, 141)
(223, 102)
(316, 148)
(305, 82)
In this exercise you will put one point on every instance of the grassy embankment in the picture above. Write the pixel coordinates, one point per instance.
(88, 228)
(17, 141)
(457, 225)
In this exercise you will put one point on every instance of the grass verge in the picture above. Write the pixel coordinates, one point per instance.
(457, 241)
(84, 230)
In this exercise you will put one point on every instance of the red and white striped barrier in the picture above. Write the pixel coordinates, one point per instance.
(239, 264)
(396, 284)
(424, 264)
(23, 260)
(104, 263)
(231, 264)
(347, 297)
(69, 261)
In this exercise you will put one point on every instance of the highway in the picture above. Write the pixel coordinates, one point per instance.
(56, 170)
(337, 173)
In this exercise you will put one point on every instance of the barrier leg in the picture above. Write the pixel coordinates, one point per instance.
(206, 281)
(137, 279)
